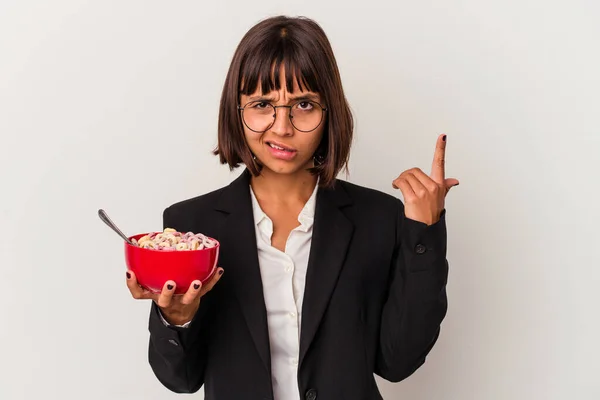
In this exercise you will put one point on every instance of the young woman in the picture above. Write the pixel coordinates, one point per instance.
(327, 283)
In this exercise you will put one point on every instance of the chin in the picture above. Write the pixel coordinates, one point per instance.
(286, 168)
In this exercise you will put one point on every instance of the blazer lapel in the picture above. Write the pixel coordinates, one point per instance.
(239, 254)
(332, 232)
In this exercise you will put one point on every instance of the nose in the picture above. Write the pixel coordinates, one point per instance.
(282, 125)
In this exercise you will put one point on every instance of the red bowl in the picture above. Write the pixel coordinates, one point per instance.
(153, 268)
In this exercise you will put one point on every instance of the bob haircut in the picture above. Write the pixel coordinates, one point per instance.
(300, 46)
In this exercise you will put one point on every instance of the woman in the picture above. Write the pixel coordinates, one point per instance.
(327, 282)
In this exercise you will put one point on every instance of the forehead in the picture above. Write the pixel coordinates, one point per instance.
(296, 90)
(282, 76)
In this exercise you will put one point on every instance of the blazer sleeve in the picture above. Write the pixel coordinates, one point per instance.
(416, 301)
(177, 355)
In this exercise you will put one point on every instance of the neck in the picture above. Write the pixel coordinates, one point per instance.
(283, 188)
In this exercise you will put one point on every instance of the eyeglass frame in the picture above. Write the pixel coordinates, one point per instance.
(323, 111)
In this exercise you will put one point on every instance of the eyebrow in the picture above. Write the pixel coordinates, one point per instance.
(307, 96)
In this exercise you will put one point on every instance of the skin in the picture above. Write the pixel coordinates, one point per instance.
(284, 187)
(424, 195)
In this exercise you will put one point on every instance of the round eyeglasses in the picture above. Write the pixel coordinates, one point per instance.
(305, 115)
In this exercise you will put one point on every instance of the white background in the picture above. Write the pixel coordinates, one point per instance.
(113, 104)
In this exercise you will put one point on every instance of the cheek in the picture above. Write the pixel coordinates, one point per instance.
(252, 138)
(316, 139)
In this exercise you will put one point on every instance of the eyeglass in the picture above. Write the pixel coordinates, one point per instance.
(305, 115)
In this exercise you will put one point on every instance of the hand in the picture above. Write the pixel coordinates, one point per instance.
(424, 195)
(176, 309)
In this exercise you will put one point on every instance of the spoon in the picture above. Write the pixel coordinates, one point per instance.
(104, 217)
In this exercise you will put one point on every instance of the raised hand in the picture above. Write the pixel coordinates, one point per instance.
(424, 196)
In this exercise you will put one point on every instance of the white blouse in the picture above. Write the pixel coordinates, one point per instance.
(283, 277)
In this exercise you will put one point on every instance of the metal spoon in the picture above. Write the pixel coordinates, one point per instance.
(104, 217)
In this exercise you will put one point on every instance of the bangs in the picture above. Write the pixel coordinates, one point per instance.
(262, 67)
(294, 52)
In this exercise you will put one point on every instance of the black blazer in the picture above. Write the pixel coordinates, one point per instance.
(375, 297)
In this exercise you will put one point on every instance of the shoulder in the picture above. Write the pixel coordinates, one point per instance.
(204, 213)
(203, 201)
(188, 211)
(367, 198)
(375, 214)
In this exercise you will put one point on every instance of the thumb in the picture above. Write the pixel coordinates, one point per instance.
(450, 183)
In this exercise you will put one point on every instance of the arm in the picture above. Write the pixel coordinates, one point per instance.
(177, 355)
(416, 302)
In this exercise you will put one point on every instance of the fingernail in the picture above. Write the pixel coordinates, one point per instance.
(196, 286)
(128, 275)
(170, 287)
(220, 272)
(444, 138)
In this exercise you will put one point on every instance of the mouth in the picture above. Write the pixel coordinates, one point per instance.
(280, 147)
(281, 152)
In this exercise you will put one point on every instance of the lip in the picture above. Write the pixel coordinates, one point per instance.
(279, 145)
(285, 155)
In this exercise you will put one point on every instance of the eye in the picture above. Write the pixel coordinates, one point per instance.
(261, 105)
(305, 106)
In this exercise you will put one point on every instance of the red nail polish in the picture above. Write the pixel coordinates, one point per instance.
(128, 275)
(196, 286)
(170, 287)
(444, 138)
(220, 272)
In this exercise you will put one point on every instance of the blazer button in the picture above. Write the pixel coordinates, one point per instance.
(420, 249)
(311, 394)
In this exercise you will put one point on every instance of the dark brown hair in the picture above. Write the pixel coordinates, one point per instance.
(302, 48)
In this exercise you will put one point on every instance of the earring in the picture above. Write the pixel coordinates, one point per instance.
(318, 159)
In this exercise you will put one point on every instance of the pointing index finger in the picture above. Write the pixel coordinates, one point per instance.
(438, 172)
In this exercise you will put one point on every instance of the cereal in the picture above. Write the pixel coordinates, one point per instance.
(171, 240)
